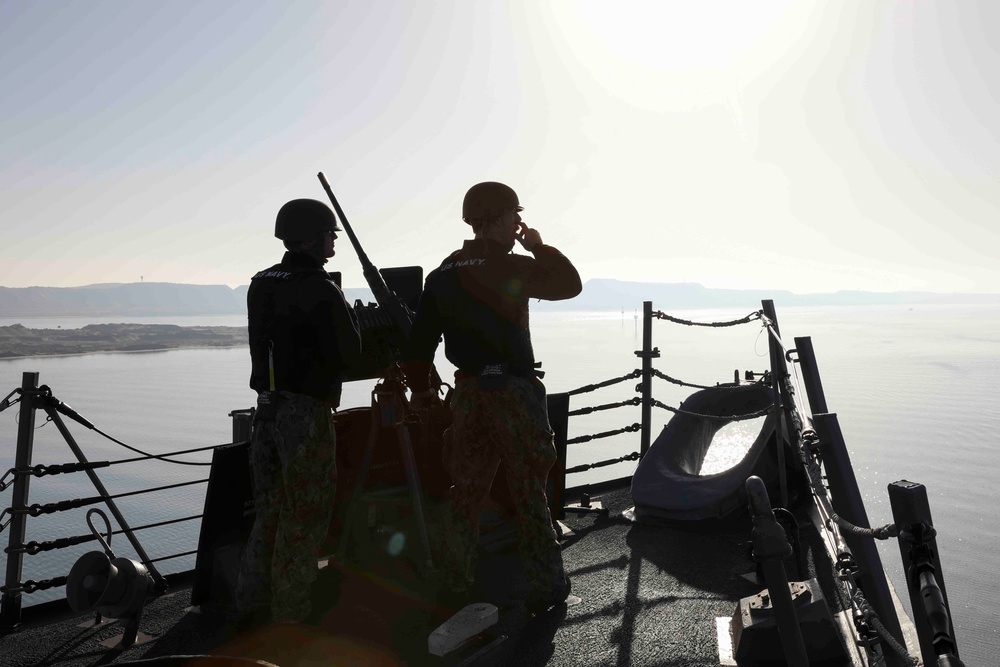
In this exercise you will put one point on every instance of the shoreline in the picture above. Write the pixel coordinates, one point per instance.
(20, 342)
(53, 355)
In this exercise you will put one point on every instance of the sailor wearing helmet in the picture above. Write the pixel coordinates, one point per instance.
(302, 335)
(478, 300)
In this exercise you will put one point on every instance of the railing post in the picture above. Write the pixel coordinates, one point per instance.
(555, 489)
(779, 368)
(848, 504)
(779, 371)
(924, 576)
(10, 607)
(810, 375)
(648, 353)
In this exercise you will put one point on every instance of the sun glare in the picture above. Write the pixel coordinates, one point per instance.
(655, 53)
(681, 35)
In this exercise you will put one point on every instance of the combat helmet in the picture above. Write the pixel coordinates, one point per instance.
(489, 200)
(304, 220)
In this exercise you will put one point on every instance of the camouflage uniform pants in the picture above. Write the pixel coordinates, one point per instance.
(293, 466)
(509, 425)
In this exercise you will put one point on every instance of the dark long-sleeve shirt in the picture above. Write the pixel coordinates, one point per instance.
(478, 299)
(298, 312)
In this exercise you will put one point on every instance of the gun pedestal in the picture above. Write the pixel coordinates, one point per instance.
(388, 412)
(384, 326)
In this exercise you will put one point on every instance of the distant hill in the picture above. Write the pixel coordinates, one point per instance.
(135, 299)
(165, 299)
(604, 293)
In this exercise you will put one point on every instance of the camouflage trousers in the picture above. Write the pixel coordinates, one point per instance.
(293, 466)
(489, 426)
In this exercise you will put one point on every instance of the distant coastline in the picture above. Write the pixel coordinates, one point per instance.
(173, 299)
(17, 341)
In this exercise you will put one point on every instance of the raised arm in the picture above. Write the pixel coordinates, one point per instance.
(552, 276)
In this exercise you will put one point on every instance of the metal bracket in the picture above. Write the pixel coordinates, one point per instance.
(587, 505)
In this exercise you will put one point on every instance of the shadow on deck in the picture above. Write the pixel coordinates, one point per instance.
(650, 596)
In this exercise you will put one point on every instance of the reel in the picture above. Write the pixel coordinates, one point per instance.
(113, 587)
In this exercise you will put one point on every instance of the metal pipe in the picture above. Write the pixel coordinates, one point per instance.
(924, 575)
(848, 504)
(770, 548)
(10, 606)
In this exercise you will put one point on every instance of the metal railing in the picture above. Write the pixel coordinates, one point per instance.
(820, 444)
(13, 519)
(824, 455)
(644, 400)
(823, 449)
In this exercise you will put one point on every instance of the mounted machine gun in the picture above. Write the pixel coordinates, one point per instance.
(385, 325)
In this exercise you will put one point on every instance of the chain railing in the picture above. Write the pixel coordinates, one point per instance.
(819, 443)
(839, 503)
(858, 566)
(32, 398)
(645, 399)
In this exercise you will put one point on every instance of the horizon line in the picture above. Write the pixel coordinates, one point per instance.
(617, 280)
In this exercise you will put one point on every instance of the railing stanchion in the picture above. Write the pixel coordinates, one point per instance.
(10, 607)
(924, 576)
(648, 353)
(779, 371)
(810, 375)
(848, 504)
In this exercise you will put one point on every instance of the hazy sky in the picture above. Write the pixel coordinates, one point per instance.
(810, 146)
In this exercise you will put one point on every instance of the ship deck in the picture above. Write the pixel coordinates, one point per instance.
(650, 595)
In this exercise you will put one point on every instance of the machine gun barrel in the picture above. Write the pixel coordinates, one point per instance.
(393, 306)
(386, 299)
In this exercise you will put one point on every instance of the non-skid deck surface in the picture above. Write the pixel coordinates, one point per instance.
(650, 596)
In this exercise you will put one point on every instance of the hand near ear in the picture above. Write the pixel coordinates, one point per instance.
(528, 237)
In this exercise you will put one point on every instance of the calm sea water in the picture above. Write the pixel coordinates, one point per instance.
(915, 390)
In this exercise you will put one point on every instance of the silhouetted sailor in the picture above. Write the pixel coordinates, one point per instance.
(478, 299)
(302, 331)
